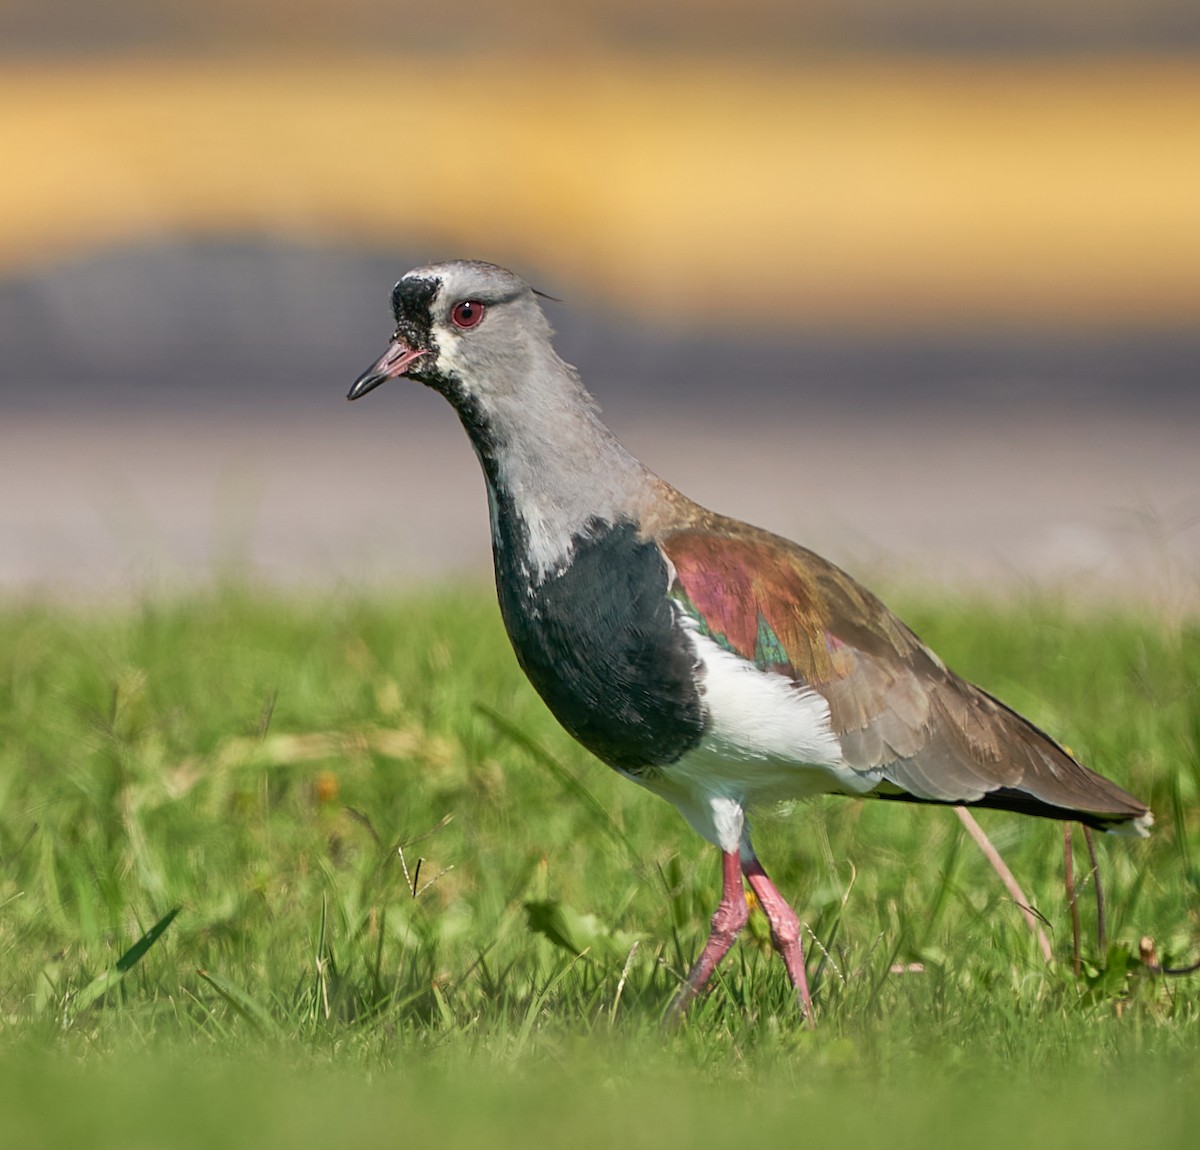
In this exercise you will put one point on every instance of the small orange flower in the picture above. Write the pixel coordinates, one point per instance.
(326, 787)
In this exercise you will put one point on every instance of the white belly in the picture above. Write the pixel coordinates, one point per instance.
(768, 740)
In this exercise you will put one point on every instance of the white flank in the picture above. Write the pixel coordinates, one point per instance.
(768, 740)
(757, 714)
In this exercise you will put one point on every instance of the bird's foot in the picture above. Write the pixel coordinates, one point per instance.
(731, 916)
(785, 933)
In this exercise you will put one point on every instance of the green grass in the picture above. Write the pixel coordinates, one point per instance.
(256, 760)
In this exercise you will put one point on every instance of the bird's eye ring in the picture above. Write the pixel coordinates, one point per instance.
(467, 314)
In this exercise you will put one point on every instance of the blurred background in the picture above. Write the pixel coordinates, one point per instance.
(916, 282)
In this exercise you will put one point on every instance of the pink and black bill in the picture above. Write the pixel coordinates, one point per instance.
(412, 301)
(394, 362)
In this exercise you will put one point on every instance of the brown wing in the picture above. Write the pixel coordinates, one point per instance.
(894, 705)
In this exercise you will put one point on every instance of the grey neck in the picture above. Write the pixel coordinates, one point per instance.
(553, 468)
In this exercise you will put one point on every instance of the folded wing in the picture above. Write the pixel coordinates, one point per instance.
(896, 708)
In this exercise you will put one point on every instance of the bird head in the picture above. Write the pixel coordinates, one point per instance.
(462, 328)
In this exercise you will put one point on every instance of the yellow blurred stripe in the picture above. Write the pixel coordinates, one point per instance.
(888, 191)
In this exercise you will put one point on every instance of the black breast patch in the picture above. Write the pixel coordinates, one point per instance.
(599, 641)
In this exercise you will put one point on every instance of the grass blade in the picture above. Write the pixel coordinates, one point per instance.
(135, 953)
(115, 974)
(242, 1004)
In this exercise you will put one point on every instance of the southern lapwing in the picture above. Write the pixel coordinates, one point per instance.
(717, 665)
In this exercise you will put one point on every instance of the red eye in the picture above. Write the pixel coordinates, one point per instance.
(468, 313)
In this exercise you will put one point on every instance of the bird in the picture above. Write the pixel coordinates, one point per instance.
(717, 665)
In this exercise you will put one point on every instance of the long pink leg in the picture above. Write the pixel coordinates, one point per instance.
(731, 915)
(785, 930)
